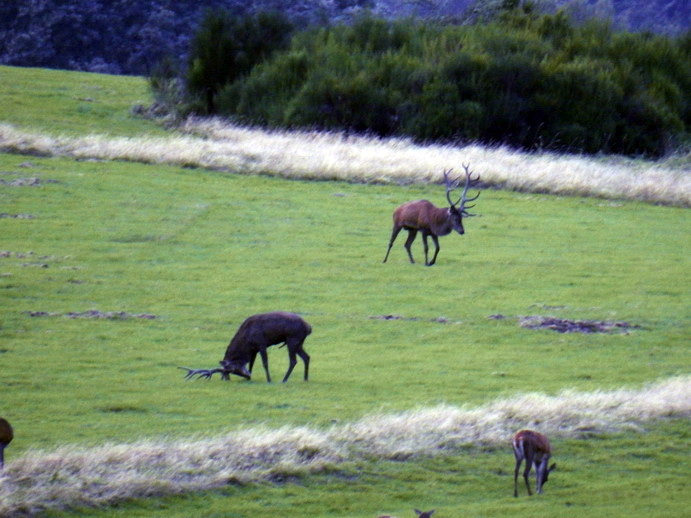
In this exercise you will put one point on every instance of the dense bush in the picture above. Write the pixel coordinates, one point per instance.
(227, 47)
(528, 80)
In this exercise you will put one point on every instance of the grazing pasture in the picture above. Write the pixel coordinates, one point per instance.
(114, 273)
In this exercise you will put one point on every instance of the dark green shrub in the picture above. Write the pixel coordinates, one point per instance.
(226, 48)
(525, 80)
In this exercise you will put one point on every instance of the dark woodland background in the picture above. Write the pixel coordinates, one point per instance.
(131, 36)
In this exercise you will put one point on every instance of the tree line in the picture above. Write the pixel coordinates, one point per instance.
(523, 78)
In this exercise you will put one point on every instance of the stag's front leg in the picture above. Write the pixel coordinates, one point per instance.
(424, 246)
(411, 237)
(253, 356)
(435, 240)
(265, 362)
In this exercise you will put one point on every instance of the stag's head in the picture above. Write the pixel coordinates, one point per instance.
(459, 209)
(235, 367)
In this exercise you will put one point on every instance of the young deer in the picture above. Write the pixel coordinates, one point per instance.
(534, 448)
(422, 216)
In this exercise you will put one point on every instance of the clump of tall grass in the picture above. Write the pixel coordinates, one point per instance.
(212, 143)
(73, 476)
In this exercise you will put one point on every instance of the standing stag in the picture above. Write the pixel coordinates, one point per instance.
(6, 436)
(534, 448)
(423, 216)
(254, 336)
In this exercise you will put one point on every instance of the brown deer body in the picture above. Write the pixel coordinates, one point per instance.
(253, 337)
(534, 448)
(431, 221)
(6, 436)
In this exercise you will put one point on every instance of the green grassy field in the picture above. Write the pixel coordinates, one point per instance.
(201, 250)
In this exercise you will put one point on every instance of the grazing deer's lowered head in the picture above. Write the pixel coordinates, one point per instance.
(534, 448)
(422, 216)
(6, 436)
(254, 336)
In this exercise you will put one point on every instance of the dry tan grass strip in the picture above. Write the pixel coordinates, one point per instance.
(329, 156)
(72, 476)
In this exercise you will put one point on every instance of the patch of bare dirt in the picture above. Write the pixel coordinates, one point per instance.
(562, 325)
(19, 255)
(16, 216)
(438, 320)
(109, 315)
(26, 182)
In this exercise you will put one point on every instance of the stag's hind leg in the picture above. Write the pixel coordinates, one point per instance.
(295, 349)
(394, 235)
(412, 232)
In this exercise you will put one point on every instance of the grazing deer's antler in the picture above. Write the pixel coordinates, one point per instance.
(203, 373)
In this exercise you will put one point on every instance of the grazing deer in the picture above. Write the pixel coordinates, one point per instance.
(422, 216)
(254, 336)
(6, 436)
(534, 448)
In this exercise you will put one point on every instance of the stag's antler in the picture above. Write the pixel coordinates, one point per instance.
(450, 186)
(204, 373)
(453, 184)
(469, 181)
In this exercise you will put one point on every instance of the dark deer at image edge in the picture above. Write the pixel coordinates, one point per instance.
(254, 336)
(6, 436)
(422, 216)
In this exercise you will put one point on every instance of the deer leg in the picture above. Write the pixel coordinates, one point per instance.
(540, 474)
(411, 237)
(424, 246)
(435, 240)
(305, 359)
(394, 235)
(253, 356)
(295, 349)
(515, 476)
(526, 474)
(265, 362)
